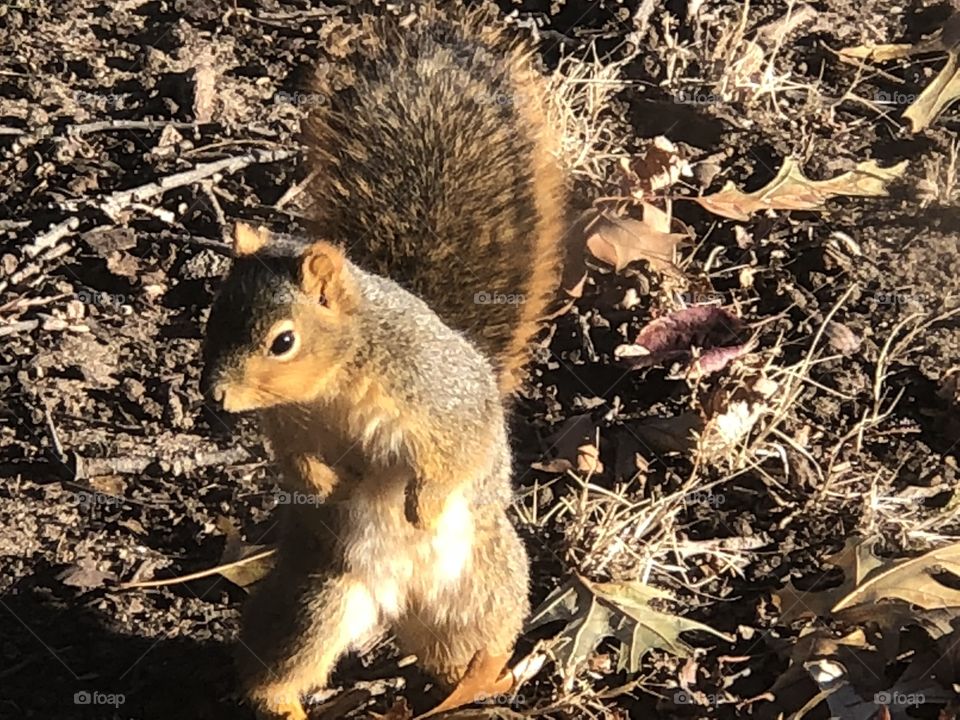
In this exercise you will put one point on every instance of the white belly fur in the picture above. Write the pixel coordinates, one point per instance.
(400, 564)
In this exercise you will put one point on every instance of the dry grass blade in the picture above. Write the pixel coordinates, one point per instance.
(242, 572)
(591, 138)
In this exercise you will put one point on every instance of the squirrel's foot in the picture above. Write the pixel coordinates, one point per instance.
(486, 676)
(309, 472)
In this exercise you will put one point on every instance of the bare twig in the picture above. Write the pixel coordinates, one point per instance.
(295, 190)
(92, 467)
(50, 238)
(95, 127)
(114, 204)
(200, 573)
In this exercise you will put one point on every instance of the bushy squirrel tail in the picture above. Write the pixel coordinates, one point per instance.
(436, 167)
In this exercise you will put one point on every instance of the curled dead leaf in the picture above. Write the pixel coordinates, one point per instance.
(658, 167)
(705, 338)
(620, 241)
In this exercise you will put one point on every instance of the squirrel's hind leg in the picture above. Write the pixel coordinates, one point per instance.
(477, 618)
(294, 630)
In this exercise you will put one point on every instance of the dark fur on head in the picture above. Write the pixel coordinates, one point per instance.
(254, 295)
(308, 296)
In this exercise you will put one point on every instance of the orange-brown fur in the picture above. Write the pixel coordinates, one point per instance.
(492, 227)
(396, 420)
(377, 403)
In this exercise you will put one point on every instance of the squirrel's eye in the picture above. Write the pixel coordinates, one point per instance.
(283, 343)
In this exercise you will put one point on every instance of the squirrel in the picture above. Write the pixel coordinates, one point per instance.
(379, 353)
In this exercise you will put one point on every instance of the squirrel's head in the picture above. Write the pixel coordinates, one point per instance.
(280, 328)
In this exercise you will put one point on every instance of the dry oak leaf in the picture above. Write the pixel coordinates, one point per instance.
(620, 241)
(240, 563)
(856, 560)
(945, 88)
(943, 91)
(792, 190)
(879, 53)
(912, 581)
(620, 610)
(872, 582)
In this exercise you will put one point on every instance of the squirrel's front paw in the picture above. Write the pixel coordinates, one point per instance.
(422, 507)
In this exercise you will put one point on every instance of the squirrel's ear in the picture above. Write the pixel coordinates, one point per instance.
(247, 239)
(320, 271)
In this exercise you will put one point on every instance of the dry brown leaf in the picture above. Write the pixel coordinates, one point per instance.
(588, 459)
(620, 241)
(944, 90)
(792, 190)
(856, 560)
(658, 167)
(400, 710)
(669, 434)
(486, 677)
(621, 610)
(566, 443)
(911, 580)
(660, 220)
(84, 575)
(870, 582)
(241, 563)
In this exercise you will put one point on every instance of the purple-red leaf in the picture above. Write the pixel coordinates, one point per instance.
(705, 338)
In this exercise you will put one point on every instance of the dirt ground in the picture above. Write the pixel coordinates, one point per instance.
(845, 403)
